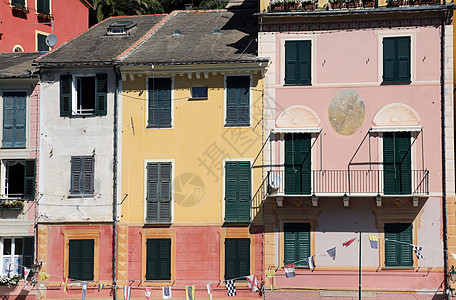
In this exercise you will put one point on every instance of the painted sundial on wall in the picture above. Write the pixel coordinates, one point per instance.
(346, 112)
(189, 189)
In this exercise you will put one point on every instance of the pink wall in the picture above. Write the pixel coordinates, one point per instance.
(70, 20)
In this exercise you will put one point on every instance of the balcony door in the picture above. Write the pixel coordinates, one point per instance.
(297, 164)
(397, 163)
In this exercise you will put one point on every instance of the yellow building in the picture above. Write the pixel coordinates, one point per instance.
(191, 114)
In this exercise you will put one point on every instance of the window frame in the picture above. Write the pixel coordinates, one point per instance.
(43, 13)
(301, 264)
(37, 34)
(225, 102)
(224, 189)
(4, 177)
(80, 262)
(313, 53)
(173, 168)
(391, 34)
(160, 258)
(81, 174)
(399, 265)
(236, 257)
(171, 126)
(27, 118)
(193, 97)
(15, 5)
(21, 257)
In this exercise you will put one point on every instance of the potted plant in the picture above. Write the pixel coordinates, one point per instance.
(10, 282)
(11, 204)
(292, 5)
(277, 5)
(337, 4)
(351, 3)
(308, 4)
(368, 3)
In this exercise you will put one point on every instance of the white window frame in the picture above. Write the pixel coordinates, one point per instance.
(13, 256)
(146, 108)
(3, 177)
(74, 96)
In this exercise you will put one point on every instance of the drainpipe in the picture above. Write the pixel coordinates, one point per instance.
(114, 187)
(444, 207)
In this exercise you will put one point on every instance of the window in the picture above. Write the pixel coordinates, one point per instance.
(237, 258)
(81, 259)
(396, 59)
(398, 251)
(43, 7)
(237, 191)
(199, 92)
(19, 179)
(296, 243)
(158, 192)
(41, 42)
(297, 62)
(20, 3)
(397, 163)
(238, 101)
(297, 163)
(16, 252)
(159, 102)
(89, 95)
(18, 48)
(14, 119)
(82, 173)
(158, 259)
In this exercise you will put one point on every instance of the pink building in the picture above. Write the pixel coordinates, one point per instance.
(354, 107)
(25, 24)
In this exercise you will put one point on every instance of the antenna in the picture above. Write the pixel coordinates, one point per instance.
(51, 40)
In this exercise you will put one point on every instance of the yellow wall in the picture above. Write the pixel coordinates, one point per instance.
(198, 128)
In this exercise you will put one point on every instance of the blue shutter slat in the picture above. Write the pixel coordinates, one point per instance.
(101, 90)
(20, 120)
(65, 95)
(8, 120)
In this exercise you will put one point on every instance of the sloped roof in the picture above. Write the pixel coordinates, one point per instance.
(17, 64)
(197, 42)
(95, 47)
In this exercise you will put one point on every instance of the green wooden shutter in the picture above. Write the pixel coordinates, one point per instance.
(87, 174)
(291, 62)
(231, 204)
(164, 211)
(159, 102)
(87, 262)
(403, 58)
(158, 259)
(298, 163)
(152, 192)
(81, 259)
(8, 119)
(101, 90)
(20, 3)
(237, 191)
(154, 109)
(296, 243)
(20, 120)
(41, 38)
(397, 163)
(237, 258)
(403, 155)
(65, 95)
(398, 254)
(230, 259)
(231, 101)
(304, 63)
(238, 100)
(289, 236)
(76, 174)
(75, 257)
(244, 257)
(389, 59)
(389, 166)
(30, 178)
(28, 251)
(42, 6)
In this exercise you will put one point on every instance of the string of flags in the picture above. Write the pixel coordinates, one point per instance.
(252, 280)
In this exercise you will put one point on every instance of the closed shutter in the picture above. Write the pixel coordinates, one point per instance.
(8, 119)
(296, 243)
(87, 174)
(20, 3)
(159, 192)
(75, 258)
(237, 191)
(396, 59)
(403, 155)
(291, 62)
(81, 259)
(158, 259)
(304, 52)
(238, 100)
(65, 95)
(389, 166)
(403, 59)
(30, 178)
(397, 163)
(41, 39)
(237, 258)
(87, 263)
(28, 251)
(20, 119)
(160, 102)
(398, 249)
(76, 173)
(42, 6)
(389, 59)
(101, 88)
(298, 163)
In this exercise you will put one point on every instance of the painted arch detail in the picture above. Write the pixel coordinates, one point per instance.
(397, 114)
(298, 116)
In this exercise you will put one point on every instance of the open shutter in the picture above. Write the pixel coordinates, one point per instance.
(403, 58)
(76, 173)
(65, 95)
(75, 257)
(243, 191)
(291, 62)
(20, 119)
(101, 89)
(244, 257)
(404, 162)
(87, 262)
(231, 205)
(389, 60)
(165, 259)
(8, 119)
(28, 251)
(304, 65)
(152, 192)
(231, 101)
(230, 259)
(30, 178)
(164, 209)
(87, 174)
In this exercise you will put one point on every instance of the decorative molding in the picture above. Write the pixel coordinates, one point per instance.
(298, 116)
(397, 114)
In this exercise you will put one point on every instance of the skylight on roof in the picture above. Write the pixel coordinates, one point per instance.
(120, 27)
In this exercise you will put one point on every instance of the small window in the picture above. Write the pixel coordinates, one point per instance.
(396, 60)
(238, 101)
(158, 259)
(81, 259)
(237, 258)
(17, 252)
(41, 42)
(237, 191)
(158, 192)
(19, 180)
(18, 3)
(43, 7)
(298, 62)
(398, 249)
(14, 119)
(18, 48)
(199, 92)
(159, 103)
(90, 95)
(82, 173)
(296, 243)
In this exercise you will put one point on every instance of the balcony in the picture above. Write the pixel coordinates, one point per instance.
(344, 182)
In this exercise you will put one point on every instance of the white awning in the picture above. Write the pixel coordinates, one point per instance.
(296, 130)
(397, 129)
